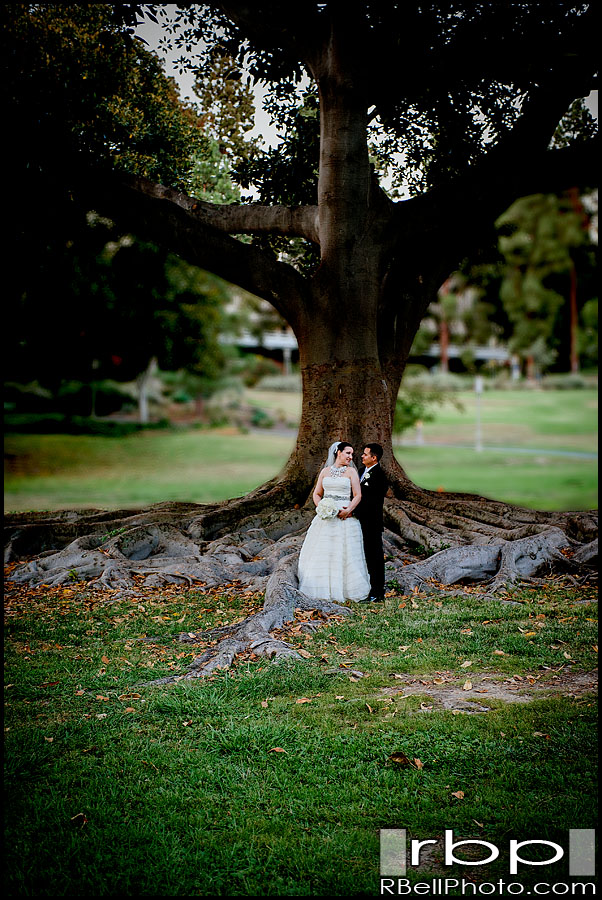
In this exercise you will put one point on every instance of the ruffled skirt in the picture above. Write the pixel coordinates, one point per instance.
(332, 564)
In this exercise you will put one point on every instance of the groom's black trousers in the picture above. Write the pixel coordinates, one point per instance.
(375, 558)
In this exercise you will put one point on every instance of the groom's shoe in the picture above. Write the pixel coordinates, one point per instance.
(373, 599)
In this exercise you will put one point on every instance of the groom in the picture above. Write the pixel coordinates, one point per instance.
(370, 514)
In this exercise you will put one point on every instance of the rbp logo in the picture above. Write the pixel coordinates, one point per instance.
(393, 852)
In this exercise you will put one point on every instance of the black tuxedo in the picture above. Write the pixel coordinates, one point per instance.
(370, 515)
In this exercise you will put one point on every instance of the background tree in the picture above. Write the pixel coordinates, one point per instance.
(80, 85)
(543, 230)
(469, 96)
(121, 304)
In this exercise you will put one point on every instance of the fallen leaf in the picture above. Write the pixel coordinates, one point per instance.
(439, 680)
(186, 724)
(129, 709)
(369, 708)
(425, 706)
(499, 653)
(480, 824)
(399, 758)
(302, 700)
(304, 653)
(467, 686)
(530, 634)
(264, 703)
(105, 659)
(101, 715)
(50, 740)
(458, 794)
(418, 763)
(467, 662)
(277, 750)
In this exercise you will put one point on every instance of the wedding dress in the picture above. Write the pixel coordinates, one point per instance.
(332, 565)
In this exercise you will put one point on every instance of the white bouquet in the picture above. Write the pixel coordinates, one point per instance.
(327, 508)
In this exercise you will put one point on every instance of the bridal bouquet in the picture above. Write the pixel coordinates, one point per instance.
(327, 508)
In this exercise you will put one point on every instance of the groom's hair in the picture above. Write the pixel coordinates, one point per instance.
(376, 450)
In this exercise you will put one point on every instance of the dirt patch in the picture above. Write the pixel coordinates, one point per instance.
(469, 693)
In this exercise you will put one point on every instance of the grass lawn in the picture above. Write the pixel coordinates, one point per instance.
(200, 465)
(274, 780)
(78, 471)
(551, 420)
(538, 481)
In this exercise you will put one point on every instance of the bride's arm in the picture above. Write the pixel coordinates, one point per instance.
(356, 492)
(319, 490)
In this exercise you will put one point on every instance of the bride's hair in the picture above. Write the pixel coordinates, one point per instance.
(334, 449)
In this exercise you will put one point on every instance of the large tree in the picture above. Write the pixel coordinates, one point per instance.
(461, 100)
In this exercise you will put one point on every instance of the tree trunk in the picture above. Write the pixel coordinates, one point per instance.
(531, 370)
(574, 320)
(444, 345)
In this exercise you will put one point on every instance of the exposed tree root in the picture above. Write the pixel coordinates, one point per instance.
(282, 597)
(498, 564)
(256, 540)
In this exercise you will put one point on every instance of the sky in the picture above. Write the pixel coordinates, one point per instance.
(263, 129)
(152, 34)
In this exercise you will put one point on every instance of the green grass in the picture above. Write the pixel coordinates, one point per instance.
(540, 481)
(201, 465)
(553, 420)
(114, 787)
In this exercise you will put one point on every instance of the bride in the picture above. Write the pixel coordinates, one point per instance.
(332, 565)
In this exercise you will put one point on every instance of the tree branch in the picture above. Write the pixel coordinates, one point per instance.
(519, 164)
(290, 29)
(475, 200)
(301, 221)
(168, 217)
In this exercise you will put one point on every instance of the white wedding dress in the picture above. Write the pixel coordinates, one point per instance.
(332, 565)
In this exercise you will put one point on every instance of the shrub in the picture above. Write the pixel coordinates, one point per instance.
(437, 381)
(288, 383)
(569, 381)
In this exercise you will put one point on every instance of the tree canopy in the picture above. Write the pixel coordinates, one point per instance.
(459, 101)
